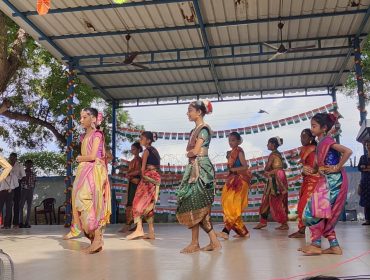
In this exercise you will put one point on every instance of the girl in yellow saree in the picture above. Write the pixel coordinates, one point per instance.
(235, 192)
(91, 199)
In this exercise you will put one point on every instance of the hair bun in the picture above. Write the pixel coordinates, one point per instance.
(333, 118)
(208, 105)
(279, 140)
(155, 136)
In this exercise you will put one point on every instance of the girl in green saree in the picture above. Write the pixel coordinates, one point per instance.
(196, 192)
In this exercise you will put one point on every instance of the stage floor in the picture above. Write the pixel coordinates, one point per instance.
(40, 253)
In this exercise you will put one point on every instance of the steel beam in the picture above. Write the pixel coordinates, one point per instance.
(231, 48)
(192, 67)
(208, 53)
(138, 102)
(261, 77)
(151, 60)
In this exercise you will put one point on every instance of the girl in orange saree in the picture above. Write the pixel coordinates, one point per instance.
(275, 196)
(309, 180)
(235, 192)
(91, 199)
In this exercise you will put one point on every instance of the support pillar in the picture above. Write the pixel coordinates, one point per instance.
(334, 98)
(115, 209)
(69, 150)
(360, 81)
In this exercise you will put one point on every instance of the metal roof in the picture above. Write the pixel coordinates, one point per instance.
(220, 55)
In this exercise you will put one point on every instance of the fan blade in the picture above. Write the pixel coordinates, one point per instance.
(297, 49)
(130, 58)
(139, 65)
(275, 56)
(271, 46)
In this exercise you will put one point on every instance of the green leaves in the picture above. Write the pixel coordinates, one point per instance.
(46, 163)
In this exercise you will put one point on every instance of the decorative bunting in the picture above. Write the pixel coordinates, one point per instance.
(172, 175)
(243, 130)
(282, 122)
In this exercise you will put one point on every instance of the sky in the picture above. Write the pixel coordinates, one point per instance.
(228, 115)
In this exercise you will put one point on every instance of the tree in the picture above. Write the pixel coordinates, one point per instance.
(34, 87)
(350, 88)
(46, 163)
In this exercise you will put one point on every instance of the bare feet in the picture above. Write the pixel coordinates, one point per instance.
(310, 250)
(260, 226)
(97, 243)
(223, 235)
(297, 235)
(68, 236)
(283, 227)
(242, 236)
(135, 234)
(192, 248)
(149, 236)
(212, 247)
(336, 250)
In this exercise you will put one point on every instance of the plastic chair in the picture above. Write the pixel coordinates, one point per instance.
(48, 208)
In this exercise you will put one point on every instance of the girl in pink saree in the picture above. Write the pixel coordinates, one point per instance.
(91, 198)
(326, 203)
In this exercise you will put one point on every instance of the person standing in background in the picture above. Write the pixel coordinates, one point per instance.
(12, 182)
(5, 194)
(364, 187)
(28, 184)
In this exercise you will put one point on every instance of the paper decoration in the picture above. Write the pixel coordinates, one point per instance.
(119, 1)
(43, 7)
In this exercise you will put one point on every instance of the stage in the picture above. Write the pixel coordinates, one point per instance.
(40, 253)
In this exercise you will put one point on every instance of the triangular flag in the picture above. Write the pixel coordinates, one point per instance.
(43, 7)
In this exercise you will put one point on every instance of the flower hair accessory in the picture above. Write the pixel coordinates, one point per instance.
(208, 105)
(279, 140)
(99, 118)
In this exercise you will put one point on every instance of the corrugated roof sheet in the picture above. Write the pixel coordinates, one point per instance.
(241, 29)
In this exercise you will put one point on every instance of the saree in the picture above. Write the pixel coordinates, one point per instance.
(275, 195)
(91, 196)
(145, 196)
(195, 194)
(234, 196)
(307, 156)
(327, 201)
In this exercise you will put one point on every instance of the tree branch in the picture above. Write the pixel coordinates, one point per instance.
(9, 62)
(27, 118)
(3, 38)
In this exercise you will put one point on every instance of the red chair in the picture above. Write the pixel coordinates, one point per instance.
(48, 208)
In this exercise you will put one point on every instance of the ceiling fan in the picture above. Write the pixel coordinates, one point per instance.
(130, 57)
(280, 50)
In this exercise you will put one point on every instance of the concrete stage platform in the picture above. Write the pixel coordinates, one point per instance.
(40, 253)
